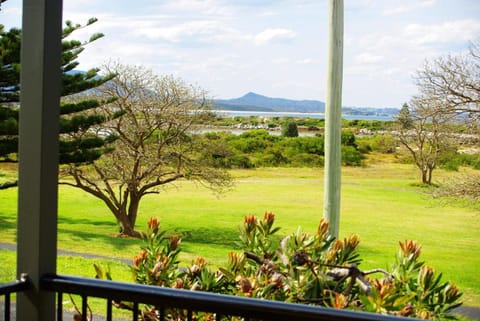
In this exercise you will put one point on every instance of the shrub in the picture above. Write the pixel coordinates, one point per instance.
(271, 157)
(348, 138)
(251, 141)
(307, 160)
(256, 148)
(302, 268)
(351, 156)
(290, 129)
(384, 143)
(239, 161)
(453, 160)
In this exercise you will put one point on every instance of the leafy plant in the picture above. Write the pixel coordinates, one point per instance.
(302, 268)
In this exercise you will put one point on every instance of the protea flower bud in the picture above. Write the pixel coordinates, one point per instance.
(426, 275)
(411, 249)
(341, 301)
(322, 230)
(138, 259)
(452, 293)
(174, 242)
(352, 241)
(153, 224)
(250, 223)
(268, 218)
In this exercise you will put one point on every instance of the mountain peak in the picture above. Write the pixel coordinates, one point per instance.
(255, 102)
(252, 99)
(252, 94)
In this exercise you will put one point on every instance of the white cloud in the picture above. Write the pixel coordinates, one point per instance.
(282, 60)
(305, 61)
(201, 7)
(11, 14)
(368, 58)
(447, 32)
(17, 11)
(176, 33)
(404, 8)
(274, 35)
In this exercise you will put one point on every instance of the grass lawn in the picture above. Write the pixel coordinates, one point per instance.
(380, 203)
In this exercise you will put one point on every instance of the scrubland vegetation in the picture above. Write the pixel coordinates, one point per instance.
(382, 203)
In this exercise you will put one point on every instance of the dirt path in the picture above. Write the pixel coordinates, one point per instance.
(13, 247)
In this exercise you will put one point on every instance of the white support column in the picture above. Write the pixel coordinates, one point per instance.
(38, 153)
(333, 116)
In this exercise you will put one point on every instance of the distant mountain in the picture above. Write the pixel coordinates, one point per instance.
(253, 101)
(221, 105)
(256, 102)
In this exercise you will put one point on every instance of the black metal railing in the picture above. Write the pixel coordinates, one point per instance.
(166, 300)
(6, 291)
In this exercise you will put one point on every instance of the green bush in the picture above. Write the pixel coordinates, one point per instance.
(251, 141)
(351, 156)
(257, 148)
(384, 143)
(239, 161)
(305, 144)
(290, 129)
(272, 157)
(300, 268)
(453, 160)
(364, 146)
(368, 124)
(348, 138)
(307, 160)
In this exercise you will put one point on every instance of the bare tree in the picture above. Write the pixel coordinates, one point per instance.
(424, 132)
(452, 83)
(156, 143)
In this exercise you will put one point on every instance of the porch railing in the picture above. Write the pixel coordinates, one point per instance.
(222, 307)
(6, 291)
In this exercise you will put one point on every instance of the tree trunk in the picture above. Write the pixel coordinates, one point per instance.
(429, 179)
(128, 230)
(127, 218)
(133, 208)
(425, 176)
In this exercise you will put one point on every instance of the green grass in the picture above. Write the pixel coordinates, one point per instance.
(380, 203)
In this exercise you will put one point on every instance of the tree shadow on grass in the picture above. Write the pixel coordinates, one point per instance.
(226, 237)
(7, 222)
(73, 221)
(220, 236)
(7, 225)
(116, 242)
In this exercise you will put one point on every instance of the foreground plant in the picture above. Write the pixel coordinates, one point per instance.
(301, 268)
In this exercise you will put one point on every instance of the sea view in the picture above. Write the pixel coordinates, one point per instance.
(234, 113)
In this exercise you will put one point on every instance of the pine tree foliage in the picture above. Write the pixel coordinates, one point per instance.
(79, 142)
(9, 90)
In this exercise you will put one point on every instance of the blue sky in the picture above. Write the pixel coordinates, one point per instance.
(277, 48)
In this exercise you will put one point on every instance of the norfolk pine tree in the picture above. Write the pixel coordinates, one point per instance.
(78, 142)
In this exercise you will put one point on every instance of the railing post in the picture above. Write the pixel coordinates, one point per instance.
(38, 154)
